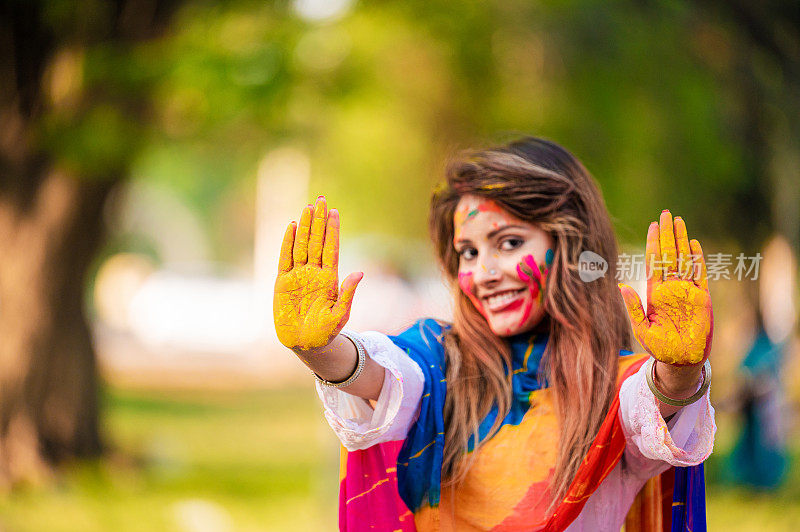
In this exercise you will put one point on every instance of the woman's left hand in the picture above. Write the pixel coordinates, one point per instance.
(679, 322)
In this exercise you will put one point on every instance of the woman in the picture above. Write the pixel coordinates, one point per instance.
(521, 414)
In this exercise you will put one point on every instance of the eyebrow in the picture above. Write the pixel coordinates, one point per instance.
(494, 233)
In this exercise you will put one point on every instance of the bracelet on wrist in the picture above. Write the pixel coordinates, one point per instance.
(362, 357)
(706, 382)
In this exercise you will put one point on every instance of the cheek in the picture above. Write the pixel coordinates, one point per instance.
(468, 287)
(535, 276)
(528, 271)
(465, 282)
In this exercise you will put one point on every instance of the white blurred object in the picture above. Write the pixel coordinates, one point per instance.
(434, 298)
(321, 10)
(145, 209)
(777, 285)
(200, 515)
(168, 320)
(281, 193)
(386, 301)
(380, 299)
(198, 313)
(171, 311)
(118, 280)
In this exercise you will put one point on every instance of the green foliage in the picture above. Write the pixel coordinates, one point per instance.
(381, 96)
(98, 144)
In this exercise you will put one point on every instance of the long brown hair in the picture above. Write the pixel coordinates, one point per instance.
(541, 183)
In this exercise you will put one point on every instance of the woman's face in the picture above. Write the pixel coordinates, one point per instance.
(503, 264)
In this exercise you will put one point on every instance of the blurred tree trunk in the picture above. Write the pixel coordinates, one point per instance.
(48, 374)
(52, 223)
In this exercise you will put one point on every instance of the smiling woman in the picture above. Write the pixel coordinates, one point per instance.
(527, 412)
(498, 267)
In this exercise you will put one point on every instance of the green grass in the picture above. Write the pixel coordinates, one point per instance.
(256, 461)
(736, 508)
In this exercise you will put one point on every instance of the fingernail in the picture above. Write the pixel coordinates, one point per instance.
(665, 210)
(333, 211)
(320, 197)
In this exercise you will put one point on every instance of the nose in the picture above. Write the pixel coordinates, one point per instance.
(488, 272)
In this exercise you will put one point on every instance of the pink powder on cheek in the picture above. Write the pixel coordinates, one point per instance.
(467, 286)
(465, 282)
(526, 313)
(533, 266)
(530, 273)
(525, 272)
(533, 288)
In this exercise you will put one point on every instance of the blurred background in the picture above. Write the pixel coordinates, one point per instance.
(152, 152)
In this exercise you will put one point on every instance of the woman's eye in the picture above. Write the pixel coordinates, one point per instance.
(468, 253)
(511, 243)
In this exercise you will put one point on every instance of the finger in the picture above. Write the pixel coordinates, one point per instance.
(317, 231)
(699, 273)
(684, 251)
(652, 256)
(285, 260)
(330, 251)
(300, 252)
(667, 241)
(345, 301)
(636, 313)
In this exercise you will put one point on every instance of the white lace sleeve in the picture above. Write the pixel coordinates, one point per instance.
(354, 421)
(652, 444)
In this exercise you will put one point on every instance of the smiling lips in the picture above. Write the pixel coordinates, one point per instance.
(504, 301)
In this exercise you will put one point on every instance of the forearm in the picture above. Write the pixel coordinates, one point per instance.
(687, 440)
(336, 362)
(676, 382)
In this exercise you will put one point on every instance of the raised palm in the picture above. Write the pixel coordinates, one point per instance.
(679, 323)
(308, 308)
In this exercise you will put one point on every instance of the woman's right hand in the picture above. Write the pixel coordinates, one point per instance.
(308, 307)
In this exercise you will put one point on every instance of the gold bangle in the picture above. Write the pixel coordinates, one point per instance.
(650, 373)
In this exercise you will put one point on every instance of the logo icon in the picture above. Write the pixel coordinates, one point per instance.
(591, 266)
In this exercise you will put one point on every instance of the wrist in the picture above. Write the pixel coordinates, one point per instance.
(333, 362)
(678, 382)
(311, 352)
(670, 404)
(361, 356)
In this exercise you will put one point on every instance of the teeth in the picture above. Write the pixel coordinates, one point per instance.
(502, 298)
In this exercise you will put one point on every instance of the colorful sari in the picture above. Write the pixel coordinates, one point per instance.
(397, 485)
